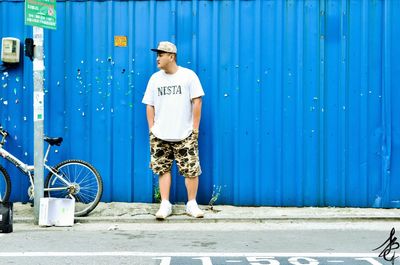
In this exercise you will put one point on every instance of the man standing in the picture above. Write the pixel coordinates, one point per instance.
(173, 97)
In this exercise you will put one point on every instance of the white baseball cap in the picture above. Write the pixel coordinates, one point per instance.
(165, 46)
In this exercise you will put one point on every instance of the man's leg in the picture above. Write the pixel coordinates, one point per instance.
(161, 162)
(164, 182)
(187, 159)
(192, 184)
(192, 208)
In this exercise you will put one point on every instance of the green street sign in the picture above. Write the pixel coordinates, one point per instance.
(41, 13)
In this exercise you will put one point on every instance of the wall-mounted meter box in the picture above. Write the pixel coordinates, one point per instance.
(10, 50)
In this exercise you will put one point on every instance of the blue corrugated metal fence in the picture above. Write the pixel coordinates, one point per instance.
(302, 104)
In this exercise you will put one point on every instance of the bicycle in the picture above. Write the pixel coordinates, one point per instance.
(71, 178)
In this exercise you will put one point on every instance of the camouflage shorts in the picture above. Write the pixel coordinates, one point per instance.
(185, 153)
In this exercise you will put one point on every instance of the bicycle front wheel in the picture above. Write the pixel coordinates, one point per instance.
(5, 185)
(84, 184)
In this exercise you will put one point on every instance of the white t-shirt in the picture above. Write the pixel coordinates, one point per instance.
(171, 95)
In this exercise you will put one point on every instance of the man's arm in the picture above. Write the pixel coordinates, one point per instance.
(196, 113)
(150, 116)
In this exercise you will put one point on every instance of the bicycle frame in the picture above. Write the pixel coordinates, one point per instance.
(28, 169)
(25, 168)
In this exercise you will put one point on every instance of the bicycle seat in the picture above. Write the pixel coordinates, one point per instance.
(53, 141)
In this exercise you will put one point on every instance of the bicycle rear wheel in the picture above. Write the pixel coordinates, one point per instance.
(85, 185)
(5, 185)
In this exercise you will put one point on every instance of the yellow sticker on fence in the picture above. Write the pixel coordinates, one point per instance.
(120, 41)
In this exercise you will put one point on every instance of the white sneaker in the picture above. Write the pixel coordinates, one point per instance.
(164, 211)
(193, 209)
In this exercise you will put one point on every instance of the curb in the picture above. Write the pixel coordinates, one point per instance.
(144, 213)
(186, 219)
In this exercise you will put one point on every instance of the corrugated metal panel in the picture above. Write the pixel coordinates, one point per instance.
(301, 106)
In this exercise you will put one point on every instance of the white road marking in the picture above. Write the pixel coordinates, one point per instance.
(183, 254)
(164, 260)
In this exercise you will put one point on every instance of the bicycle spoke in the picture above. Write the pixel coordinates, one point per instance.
(66, 175)
(85, 198)
(85, 178)
(78, 174)
(88, 183)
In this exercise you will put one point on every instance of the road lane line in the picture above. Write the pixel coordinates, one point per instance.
(184, 254)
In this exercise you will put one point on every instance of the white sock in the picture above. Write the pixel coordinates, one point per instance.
(192, 202)
(165, 202)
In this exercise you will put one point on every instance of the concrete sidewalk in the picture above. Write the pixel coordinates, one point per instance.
(144, 213)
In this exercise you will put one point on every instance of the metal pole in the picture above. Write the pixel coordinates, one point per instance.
(38, 118)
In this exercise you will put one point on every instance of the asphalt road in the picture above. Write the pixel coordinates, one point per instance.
(273, 243)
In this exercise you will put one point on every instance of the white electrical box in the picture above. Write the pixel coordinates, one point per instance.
(10, 50)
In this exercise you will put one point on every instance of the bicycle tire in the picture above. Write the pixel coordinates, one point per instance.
(78, 172)
(5, 185)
